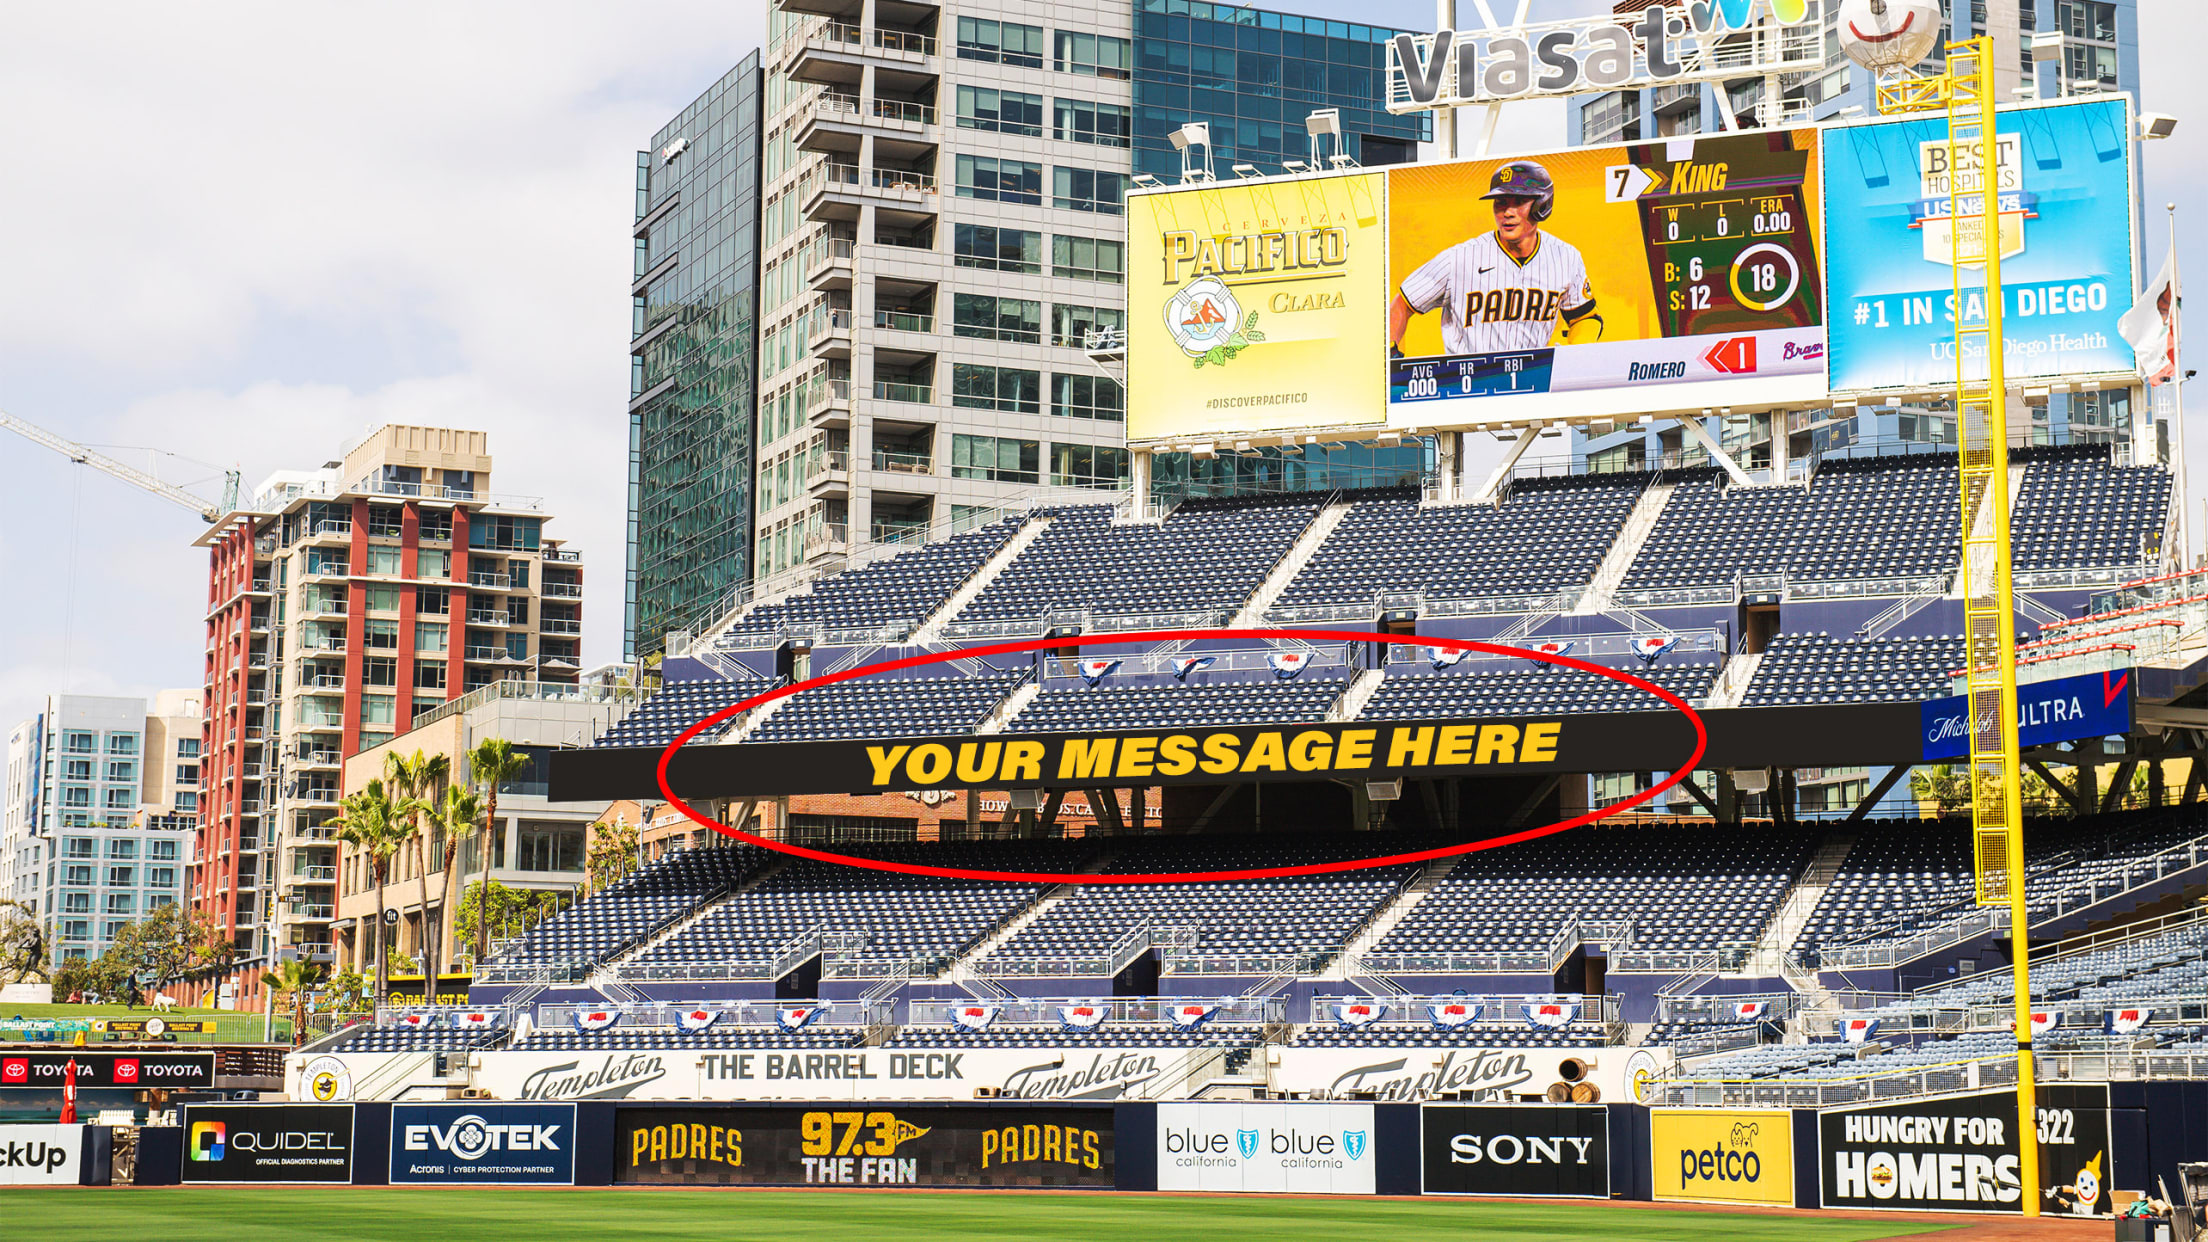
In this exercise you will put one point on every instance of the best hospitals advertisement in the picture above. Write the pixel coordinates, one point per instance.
(2063, 176)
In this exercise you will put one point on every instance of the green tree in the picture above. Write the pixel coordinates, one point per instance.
(492, 763)
(22, 944)
(1941, 785)
(612, 855)
(417, 781)
(102, 976)
(295, 979)
(171, 943)
(457, 814)
(369, 825)
(348, 991)
(508, 910)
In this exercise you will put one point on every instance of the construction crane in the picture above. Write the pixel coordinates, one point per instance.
(129, 474)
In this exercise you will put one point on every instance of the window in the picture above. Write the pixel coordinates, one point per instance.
(383, 599)
(81, 929)
(2087, 19)
(1081, 120)
(429, 564)
(431, 636)
(122, 877)
(1086, 258)
(994, 459)
(384, 561)
(161, 877)
(1006, 112)
(1003, 250)
(996, 319)
(122, 770)
(1084, 189)
(1088, 465)
(1006, 181)
(1007, 43)
(77, 874)
(1087, 396)
(380, 670)
(76, 903)
(1607, 118)
(120, 799)
(382, 635)
(76, 769)
(76, 795)
(79, 743)
(122, 744)
(187, 774)
(550, 847)
(980, 387)
(162, 851)
(377, 709)
(82, 847)
(510, 534)
(122, 849)
(187, 802)
(2086, 63)
(187, 748)
(1095, 56)
(429, 675)
(122, 903)
(1071, 325)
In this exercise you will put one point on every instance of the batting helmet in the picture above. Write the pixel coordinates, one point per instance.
(1524, 179)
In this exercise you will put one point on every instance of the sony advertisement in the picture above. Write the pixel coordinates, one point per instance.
(48, 1070)
(1543, 1150)
(2063, 178)
(1306, 1148)
(41, 1155)
(268, 1143)
(483, 1144)
(1711, 1155)
(868, 1145)
(845, 1074)
(1960, 1153)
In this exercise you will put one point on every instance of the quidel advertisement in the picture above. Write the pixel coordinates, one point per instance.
(41, 1155)
(1960, 1153)
(1516, 1149)
(2063, 178)
(1316, 1148)
(1255, 308)
(1722, 1155)
(268, 1143)
(47, 1070)
(873, 1145)
(1605, 273)
(532, 1144)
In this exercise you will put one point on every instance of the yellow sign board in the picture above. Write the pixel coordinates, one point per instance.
(1722, 1155)
(1256, 308)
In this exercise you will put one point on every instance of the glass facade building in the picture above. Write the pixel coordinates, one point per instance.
(693, 377)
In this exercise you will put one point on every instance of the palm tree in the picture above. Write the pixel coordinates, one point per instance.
(458, 815)
(418, 780)
(294, 978)
(369, 823)
(492, 763)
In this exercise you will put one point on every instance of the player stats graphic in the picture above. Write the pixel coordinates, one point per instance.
(1607, 280)
(2063, 184)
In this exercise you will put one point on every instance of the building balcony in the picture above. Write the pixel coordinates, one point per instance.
(495, 582)
(904, 393)
(827, 403)
(310, 951)
(327, 532)
(904, 199)
(317, 759)
(314, 874)
(828, 539)
(492, 655)
(559, 625)
(903, 463)
(828, 264)
(836, 123)
(317, 795)
(560, 556)
(835, 53)
(563, 590)
(311, 912)
(828, 475)
(831, 334)
(903, 321)
(322, 684)
(493, 618)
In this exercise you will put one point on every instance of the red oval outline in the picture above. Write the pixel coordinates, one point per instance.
(1701, 746)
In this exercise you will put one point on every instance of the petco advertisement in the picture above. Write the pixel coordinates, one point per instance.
(1722, 1155)
(1307, 1148)
(2063, 180)
(41, 1155)
(483, 1144)
(1516, 1149)
(1960, 1153)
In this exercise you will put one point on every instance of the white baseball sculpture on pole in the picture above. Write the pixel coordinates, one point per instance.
(1889, 34)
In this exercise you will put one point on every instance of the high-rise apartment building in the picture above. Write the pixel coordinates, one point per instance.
(101, 802)
(344, 603)
(2099, 52)
(940, 228)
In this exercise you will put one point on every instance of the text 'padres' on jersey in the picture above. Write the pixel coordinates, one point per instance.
(1493, 303)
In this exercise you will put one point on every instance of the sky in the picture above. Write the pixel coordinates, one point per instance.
(240, 234)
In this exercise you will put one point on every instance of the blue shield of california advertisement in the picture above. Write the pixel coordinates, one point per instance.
(2064, 182)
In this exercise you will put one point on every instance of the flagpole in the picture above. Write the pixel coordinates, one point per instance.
(2177, 401)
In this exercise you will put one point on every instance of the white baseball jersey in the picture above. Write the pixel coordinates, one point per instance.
(1491, 302)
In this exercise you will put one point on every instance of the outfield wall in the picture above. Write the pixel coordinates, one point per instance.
(1950, 1153)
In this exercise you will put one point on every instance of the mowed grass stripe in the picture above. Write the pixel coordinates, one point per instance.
(366, 1214)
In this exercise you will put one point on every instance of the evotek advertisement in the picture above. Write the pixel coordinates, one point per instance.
(268, 1143)
(2062, 710)
(2063, 177)
(1960, 1153)
(1308, 1148)
(41, 1155)
(1577, 282)
(871, 1145)
(1722, 1155)
(483, 1144)
(1254, 308)
(48, 1070)
(1516, 1149)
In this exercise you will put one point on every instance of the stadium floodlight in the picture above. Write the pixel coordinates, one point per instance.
(1147, 182)
(2153, 125)
(2047, 45)
(1323, 124)
(1186, 140)
(1248, 172)
(1297, 167)
(1383, 791)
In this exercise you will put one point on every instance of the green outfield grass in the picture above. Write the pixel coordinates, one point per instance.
(231, 1027)
(299, 1214)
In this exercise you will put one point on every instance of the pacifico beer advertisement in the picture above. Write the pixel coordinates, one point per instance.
(1960, 1153)
(1255, 307)
(1722, 1155)
(865, 1145)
